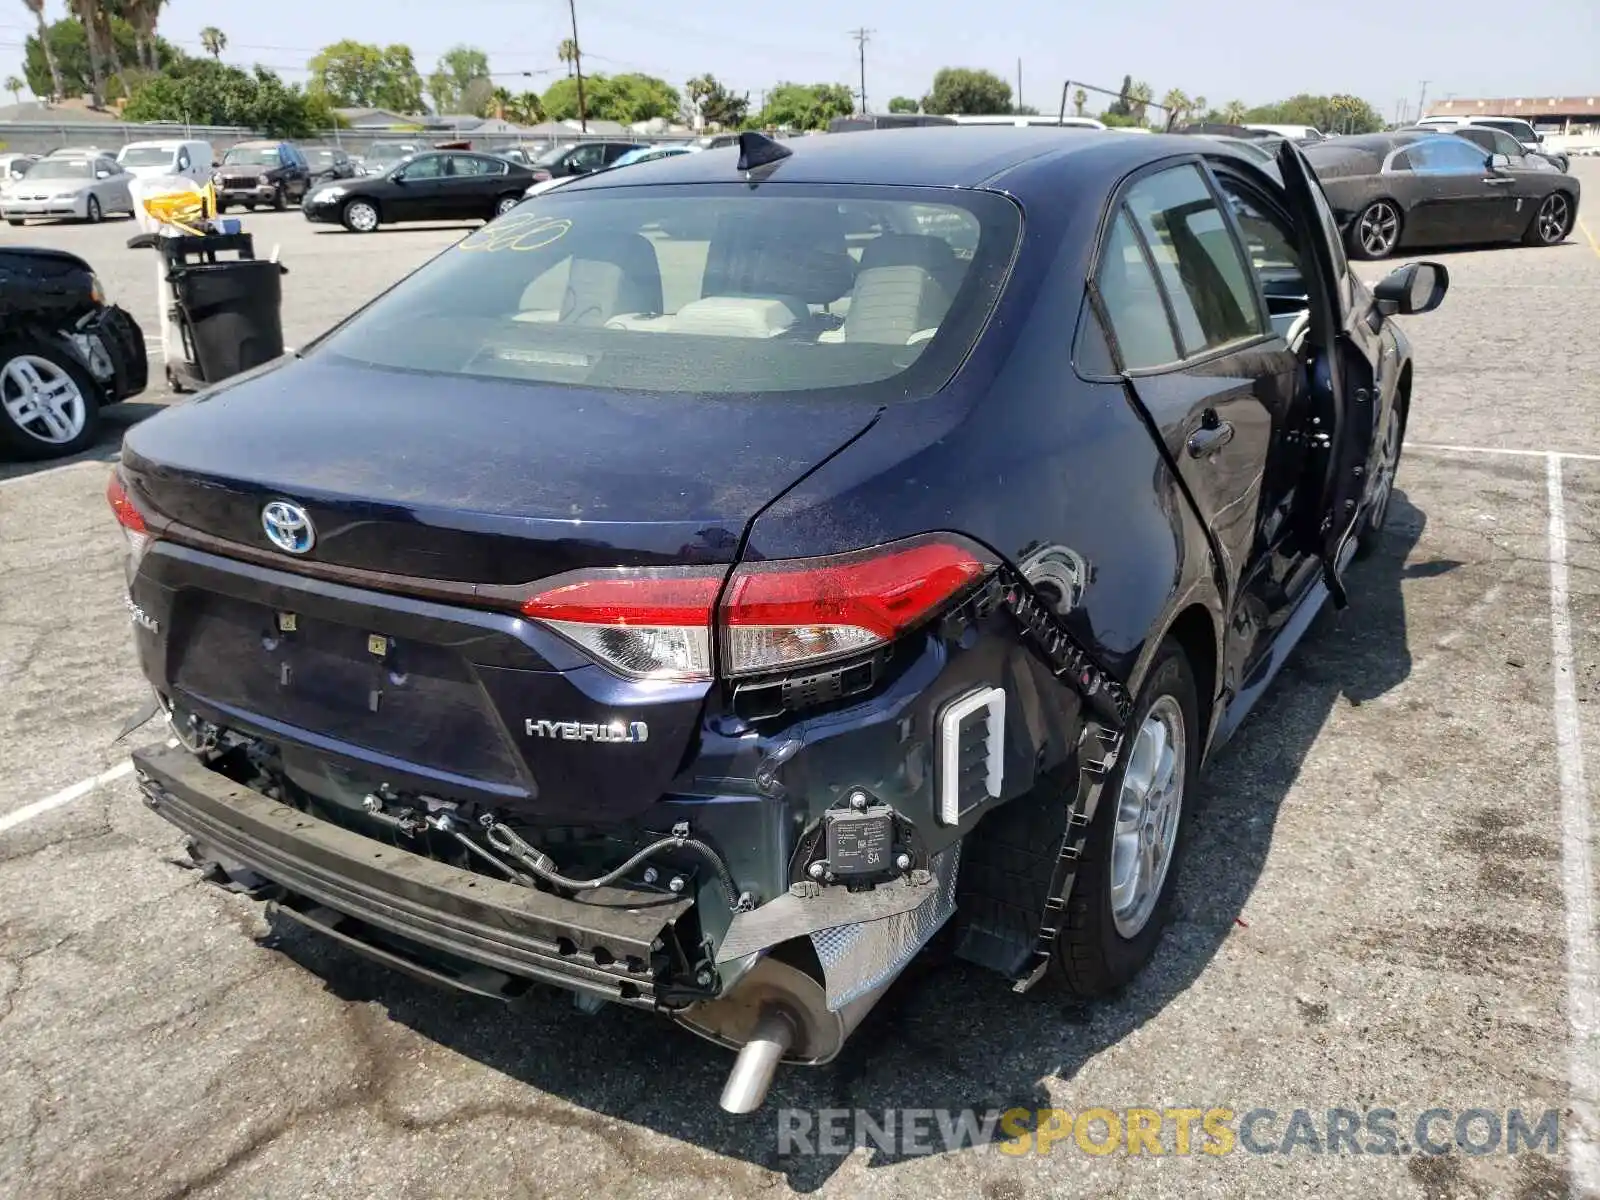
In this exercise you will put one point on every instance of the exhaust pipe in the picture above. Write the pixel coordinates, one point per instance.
(758, 1062)
(775, 1013)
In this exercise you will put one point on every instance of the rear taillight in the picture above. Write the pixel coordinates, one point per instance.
(777, 615)
(129, 517)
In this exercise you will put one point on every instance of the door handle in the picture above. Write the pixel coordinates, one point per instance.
(1209, 438)
(1496, 181)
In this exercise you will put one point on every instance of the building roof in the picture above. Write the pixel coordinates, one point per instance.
(374, 118)
(1579, 107)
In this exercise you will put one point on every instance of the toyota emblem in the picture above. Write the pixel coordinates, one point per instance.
(288, 527)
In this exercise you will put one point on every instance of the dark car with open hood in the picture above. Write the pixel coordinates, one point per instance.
(65, 352)
(701, 621)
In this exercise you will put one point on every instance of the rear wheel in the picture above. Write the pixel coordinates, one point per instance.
(1123, 892)
(91, 212)
(1551, 223)
(49, 406)
(505, 204)
(280, 199)
(1376, 231)
(360, 216)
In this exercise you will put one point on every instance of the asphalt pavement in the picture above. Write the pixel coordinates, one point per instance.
(1387, 903)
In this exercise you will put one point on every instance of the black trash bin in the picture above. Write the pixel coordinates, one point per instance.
(231, 312)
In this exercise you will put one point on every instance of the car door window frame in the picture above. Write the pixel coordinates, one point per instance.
(1275, 209)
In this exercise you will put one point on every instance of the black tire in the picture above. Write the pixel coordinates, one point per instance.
(24, 440)
(1552, 221)
(222, 207)
(353, 215)
(280, 199)
(91, 211)
(1094, 957)
(505, 204)
(1370, 536)
(1375, 233)
(15, 221)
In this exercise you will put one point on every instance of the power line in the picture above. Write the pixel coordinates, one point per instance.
(862, 37)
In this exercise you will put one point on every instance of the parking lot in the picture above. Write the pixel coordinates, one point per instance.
(1387, 902)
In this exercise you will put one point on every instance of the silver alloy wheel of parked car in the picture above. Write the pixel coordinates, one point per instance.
(1149, 805)
(92, 212)
(1554, 219)
(43, 400)
(507, 203)
(1378, 229)
(360, 216)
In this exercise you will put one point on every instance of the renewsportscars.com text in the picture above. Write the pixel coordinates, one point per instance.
(1213, 1131)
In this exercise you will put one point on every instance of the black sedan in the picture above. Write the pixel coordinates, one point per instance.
(701, 621)
(1413, 189)
(450, 185)
(64, 352)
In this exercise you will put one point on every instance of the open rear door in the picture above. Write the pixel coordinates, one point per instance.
(1344, 391)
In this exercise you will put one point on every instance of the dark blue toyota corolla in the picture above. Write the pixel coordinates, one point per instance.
(707, 582)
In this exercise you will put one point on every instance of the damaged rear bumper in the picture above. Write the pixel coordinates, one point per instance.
(608, 944)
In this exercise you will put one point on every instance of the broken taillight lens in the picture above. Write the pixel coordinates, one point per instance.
(776, 615)
(130, 518)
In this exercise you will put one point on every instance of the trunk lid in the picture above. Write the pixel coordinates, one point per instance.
(434, 503)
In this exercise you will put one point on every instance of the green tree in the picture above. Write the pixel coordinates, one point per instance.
(1233, 112)
(1139, 97)
(526, 109)
(1079, 99)
(625, 98)
(1178, 106)
(143, 16)
(1337, 113)
(460, 80)
(66, 44)
(42, 40)
(711, 104)
(567, 53)
(354, 74)
(214, 93)
(1120, 106)
(962, 91)
(902, 104)
(14, 85)
(806, 105)
(214, 41)
(502, 100)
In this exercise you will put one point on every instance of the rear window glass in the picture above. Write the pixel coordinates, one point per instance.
(705, 289)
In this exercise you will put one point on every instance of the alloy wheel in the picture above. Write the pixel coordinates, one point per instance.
(1554, 215)
(1379, 228)
(507, 203)
(43, 400)
(92, 211)
(1149, 805)
(361, 217)
(1388, 463)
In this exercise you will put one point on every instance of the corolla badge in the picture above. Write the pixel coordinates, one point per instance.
(288, 527)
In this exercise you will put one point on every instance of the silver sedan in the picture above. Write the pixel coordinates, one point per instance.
(84, 189)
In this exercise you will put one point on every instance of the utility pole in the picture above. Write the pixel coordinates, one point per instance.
(862, 36)
(577, 65)
(1019, 85)
(1422, 101)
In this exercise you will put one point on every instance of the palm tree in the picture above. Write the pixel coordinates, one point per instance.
(501, 99)
(528, 109)
(214, 41)
(15, 86)
(36, 7)
(1233, 112)
(1177, 105)
(143, 15)
(84, 10)
(1139, 95)
(567, 52)
(1079, 99)
(1201, 107)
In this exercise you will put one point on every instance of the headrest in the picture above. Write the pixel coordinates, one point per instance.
(754, 254)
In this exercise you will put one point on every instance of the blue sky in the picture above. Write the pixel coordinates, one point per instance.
(1222, 50)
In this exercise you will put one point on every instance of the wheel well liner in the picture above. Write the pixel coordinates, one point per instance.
(1195, 631)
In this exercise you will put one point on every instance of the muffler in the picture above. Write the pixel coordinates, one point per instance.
(776, 1013)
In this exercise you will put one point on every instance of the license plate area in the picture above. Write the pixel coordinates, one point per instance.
(402, 697)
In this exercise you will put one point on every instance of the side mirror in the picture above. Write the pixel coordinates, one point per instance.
(1414, 288)
(1499, 162)
(102, 174)
(215, 163)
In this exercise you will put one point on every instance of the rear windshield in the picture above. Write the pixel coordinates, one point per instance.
(709, 289)
(61, 168)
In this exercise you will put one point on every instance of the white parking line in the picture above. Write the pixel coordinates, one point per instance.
(1577, 872)
(65, 796)
(1436, 448)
